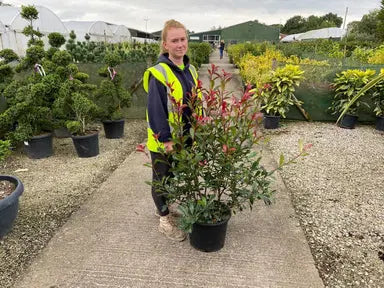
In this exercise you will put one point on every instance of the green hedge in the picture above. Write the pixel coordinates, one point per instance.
(199, 53)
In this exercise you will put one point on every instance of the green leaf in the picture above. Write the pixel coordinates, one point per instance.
(281, 160)
(301, 145)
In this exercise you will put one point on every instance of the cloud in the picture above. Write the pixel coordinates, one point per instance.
(199, 15)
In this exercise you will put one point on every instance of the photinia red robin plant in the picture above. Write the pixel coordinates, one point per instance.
(215, 167)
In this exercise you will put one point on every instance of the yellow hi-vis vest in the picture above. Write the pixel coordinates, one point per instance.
(164, 74)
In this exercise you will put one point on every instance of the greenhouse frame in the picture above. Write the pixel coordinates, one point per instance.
(13, 24)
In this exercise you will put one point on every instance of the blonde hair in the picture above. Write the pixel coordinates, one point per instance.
(167, 25)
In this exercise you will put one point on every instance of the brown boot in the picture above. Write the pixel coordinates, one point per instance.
(170, 230)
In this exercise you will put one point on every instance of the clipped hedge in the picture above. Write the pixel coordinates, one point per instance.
(199, 53)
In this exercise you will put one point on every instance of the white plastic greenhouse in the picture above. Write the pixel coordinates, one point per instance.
(324, 33)
(98, 31)
(14, 24)
(120, 33)
(291, 38)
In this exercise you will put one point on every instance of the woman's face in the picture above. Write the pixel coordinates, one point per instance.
(176, 43)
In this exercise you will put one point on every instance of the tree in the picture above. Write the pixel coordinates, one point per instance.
(366, 29)
(380, 22)
(313, 22)
(299, 24)
(295, 24)
(332, 19)
(30, 14)
(35, 52)
(368, 23)
(280, 26)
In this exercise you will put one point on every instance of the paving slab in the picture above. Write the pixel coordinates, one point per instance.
(112, 241)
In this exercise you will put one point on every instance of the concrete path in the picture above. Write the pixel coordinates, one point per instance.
(112, 241)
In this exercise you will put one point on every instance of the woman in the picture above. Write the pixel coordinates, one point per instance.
(222, 45)
(172, 67)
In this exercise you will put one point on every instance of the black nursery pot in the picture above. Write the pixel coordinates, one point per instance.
(114, 129)
(9, 206)
(39, 146)
(87, 145)
(348, 121)
(209, 237)
(62, 132)
(271, 122)
(380, 123)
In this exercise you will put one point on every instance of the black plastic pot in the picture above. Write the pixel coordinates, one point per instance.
(39, 146)
(87, 145)
(348, 121)
(114, 129)
(62, 132)
(380, 123)
(271, 122)
(208, 237)
(9, 206)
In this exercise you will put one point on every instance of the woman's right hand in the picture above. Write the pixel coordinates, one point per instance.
(168, 146)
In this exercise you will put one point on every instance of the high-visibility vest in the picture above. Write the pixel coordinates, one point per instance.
(164, 74)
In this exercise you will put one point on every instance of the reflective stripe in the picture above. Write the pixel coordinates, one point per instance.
(192, 69)
(161, 69)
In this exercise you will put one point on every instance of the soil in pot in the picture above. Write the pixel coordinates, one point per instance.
(6, 188)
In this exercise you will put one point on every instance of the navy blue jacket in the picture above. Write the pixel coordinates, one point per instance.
(157, 99)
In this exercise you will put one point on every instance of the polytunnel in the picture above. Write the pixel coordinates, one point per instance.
(13, 38)
(324, 33)
(2, 31)
(291, 38)
(120, 33)
(98, 31)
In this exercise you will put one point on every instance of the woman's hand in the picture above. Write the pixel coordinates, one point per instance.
(168, 146)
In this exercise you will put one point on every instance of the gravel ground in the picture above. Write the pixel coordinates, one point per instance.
(55, 187)
(338, 194)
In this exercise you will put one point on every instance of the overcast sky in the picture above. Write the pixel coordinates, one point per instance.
(198, 15)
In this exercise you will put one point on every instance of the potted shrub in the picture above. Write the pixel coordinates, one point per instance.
(377, 84)
(74, 104)
(28, 117)
(278, 94)
(28, 114)
(346, 85)
(11, 189)
(220, 173)
(112, 97)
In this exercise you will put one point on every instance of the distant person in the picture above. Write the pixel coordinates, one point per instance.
(222, 45)
(172, 67)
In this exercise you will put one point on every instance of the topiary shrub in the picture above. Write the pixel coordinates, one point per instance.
(111, 96)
